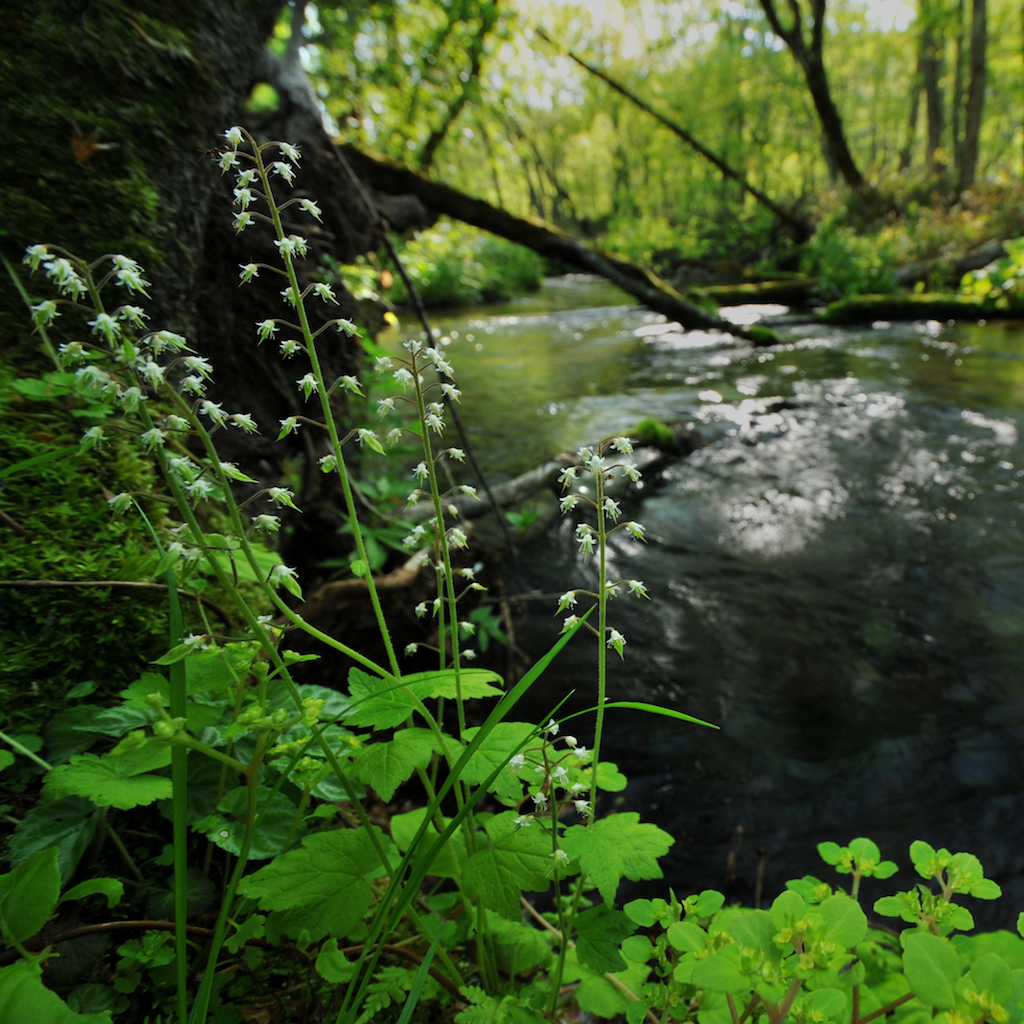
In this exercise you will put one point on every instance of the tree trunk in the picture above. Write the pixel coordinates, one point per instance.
(975, 94)
(958, 90)
(811, 61)
(907, 153)
(932, 48)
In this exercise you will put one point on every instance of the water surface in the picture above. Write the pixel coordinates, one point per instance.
(835, 577)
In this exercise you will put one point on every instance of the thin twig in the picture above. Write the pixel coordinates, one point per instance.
(13, 523)
(220, 612)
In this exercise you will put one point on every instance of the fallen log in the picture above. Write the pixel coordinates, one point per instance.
(923, 306)
(388, 176)
(949, 268)
(787, 292)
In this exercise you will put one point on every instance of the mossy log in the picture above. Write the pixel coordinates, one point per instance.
(922, 306)
(788, 292)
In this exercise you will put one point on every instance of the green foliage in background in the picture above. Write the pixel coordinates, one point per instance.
(1000, 285)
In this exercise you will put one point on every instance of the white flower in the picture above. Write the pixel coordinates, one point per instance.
(469, 491)
(582, 753)
(281, 496)
(384, 406)
(570, 741)
(569, 622)
(410, 649)
(517, 761)
(243, 197)
(434, 422)
(325, 292)
(289, 348)
(367, 436)
(133, 314)
(288, 425)
(163, 340)
(551, 728)
(242, 221)
(469, 655)
(328, 464)
(540, 801)
(285, 171)
(451, 391)
(153, 438)
(131, 279)
(290, 151)
(197, 364)
(194, 640)
(403, 377)
(72, 351)
(568, 503)
(308, 384)
(637, 588)
(560, 856)
(248, 272)
(269, 523)
(194, 384)
(421, 609)
(586, 539)
(457, 454)
(120, 502)
(106, 325)
(349, 383)
(247, 177)
(35, 254)
(457, 539)
(632, 472)
(567, 600)
(244, 421)
(214, 410)
(523, 821)
(616, 641)
(280, 573)
(266, 329)
(560, 773)
(234, 136)
(611, 508)
(582, 807)
(622, 444)
(421, 472)
(383, 363)
(311, 208)
(635, 530)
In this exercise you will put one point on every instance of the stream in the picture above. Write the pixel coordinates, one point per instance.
(835, 578)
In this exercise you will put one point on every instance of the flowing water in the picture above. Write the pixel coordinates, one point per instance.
(835, 577)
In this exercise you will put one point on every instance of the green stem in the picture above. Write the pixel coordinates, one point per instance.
(19, 749)
(602, 630)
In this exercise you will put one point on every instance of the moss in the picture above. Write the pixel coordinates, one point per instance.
(91, 93)
(655, 433)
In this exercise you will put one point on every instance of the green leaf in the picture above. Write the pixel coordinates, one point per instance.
(6, 759)
(518, 946)
(475, 682)
(109, 887)
(25, 1000)
(596, 994)
(251, 928)
(932, 968)
(496, 749)
(638, 948)
(28, 895)
(985, 889)
(655, 709)
(381, 703)
(609, 778)
(113, 781)
(617, 847)
(279, 814)
(517, 860)
(889, 906)
(830, 852)
(961, 919)
(845, 923)
(756, 930)
(922, 855)
(333, 965)
(687, 937)
(708, 902)
(600, 931)
(68, 825)
(385, 766)
(403, 831)
(324, 886)
(990, 974)
(642, 911)
(829, 1002)
(1020, 922)
(721, 972)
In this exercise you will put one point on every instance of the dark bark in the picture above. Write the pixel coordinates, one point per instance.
(958, 89)
(907, 153)
(801, 228)
(388, 176)
(811, 61)
(932, 48)
(975, 94)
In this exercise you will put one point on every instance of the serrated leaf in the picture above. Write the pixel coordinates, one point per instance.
(497, 747)
(227, 829)
(381, 703)
(932, 968)
(475, 682)
(112, 888)
(516, 860)
(600, 931)
(518, 946)
(324, 886)
(385, 766)
(617, 847)
(67, 824)
(845, 923)
(28, 895)
(596, 994)
(110, 781)
(24, 998)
